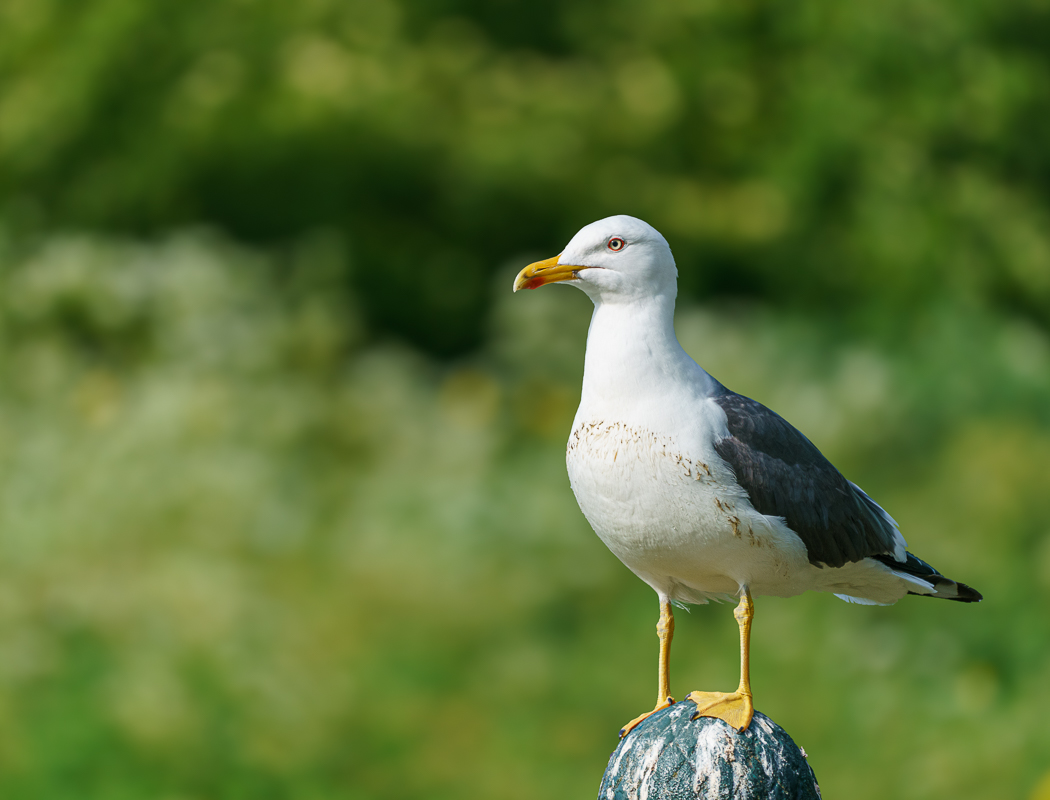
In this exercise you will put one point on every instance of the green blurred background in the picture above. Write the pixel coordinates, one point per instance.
(283, 510)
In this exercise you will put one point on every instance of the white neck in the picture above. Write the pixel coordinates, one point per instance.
(633, 355)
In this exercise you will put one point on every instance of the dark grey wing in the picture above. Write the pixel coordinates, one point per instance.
(785, 475)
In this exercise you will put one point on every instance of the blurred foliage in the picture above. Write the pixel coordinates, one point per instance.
(246, 554)
(257, 541)
(861, 156)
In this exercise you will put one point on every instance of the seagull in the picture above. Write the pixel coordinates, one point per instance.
(701, 492)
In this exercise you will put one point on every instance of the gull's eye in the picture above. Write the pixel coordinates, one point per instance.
(616, 244)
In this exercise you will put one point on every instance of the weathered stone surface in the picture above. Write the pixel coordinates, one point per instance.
(671, 757)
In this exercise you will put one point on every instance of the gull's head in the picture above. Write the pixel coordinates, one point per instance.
(614, 259)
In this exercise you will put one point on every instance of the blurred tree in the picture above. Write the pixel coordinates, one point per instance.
(864, 157)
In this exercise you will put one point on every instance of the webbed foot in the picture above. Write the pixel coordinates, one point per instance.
(630, 726)
(733, 708)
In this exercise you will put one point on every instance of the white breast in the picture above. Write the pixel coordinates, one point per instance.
(672, 513)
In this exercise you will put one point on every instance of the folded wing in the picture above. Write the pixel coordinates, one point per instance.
(785, 475)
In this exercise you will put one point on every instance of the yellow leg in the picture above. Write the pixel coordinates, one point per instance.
(735, 708)
(665, 630)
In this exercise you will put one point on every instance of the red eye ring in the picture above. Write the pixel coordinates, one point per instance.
(616, 244)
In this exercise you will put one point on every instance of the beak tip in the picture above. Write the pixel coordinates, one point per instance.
(524, 280)
(543, 272)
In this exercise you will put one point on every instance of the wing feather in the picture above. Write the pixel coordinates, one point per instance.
(785, 475)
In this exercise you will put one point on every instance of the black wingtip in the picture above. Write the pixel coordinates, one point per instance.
(967, 594)
(944, 588)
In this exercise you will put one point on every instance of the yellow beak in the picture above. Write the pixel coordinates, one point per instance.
(543, 272)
